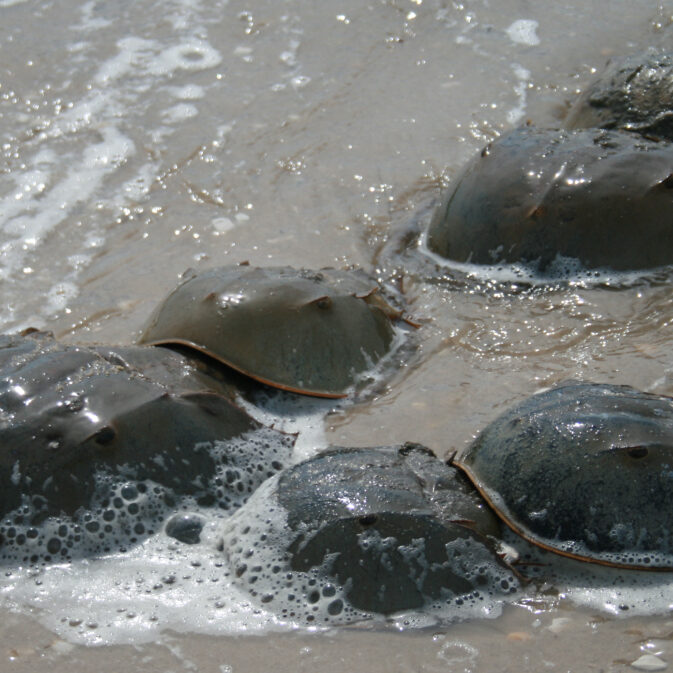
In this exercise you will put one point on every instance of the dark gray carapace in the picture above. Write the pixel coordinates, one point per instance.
(601, 199)
(76, 420)
(375, 530)
(633, 93)
(584, 470)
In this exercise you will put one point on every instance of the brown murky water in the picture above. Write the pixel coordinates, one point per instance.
(141, 138)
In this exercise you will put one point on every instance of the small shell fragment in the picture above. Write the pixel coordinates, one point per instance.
(649, 662)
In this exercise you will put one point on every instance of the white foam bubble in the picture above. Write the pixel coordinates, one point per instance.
(289, 56)
(88, 22)
(132, 597)
(456, 653)
(297, 415)
(616, 591)
(523, 31)
(139, 186)
(192, 55)
(135, 53)
(59, 295)
(222, 224)
(99, 105)
(567, 269)
(180, 112)
(187, 92)
(112, 574)
(184, 13)
(515, 115)
(377, 374)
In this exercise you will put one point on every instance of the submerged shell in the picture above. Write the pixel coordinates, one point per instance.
(601, 197)
(633, 94)
(307, 332)
(76, 420)
(585, 470)
(374, 530)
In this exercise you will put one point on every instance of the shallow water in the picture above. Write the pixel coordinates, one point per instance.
(142, 138)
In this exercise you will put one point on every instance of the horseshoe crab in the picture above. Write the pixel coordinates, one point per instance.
(356, 531)
(106, 437)
(539, 196)
(303, 331)
(633, 94)
(584, 470)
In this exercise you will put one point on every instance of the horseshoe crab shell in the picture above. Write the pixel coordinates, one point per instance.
(367, 530)
(600, 197)
(584, 470)
(307, 332)
(74, 419)
(633, 94)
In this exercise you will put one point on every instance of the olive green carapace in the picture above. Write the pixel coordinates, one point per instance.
(584, 470)
(307, 332)
(634, 93)
(600, 197)
(134, 412)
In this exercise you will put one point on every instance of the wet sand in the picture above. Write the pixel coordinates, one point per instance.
(140, 139)
(522, 640)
